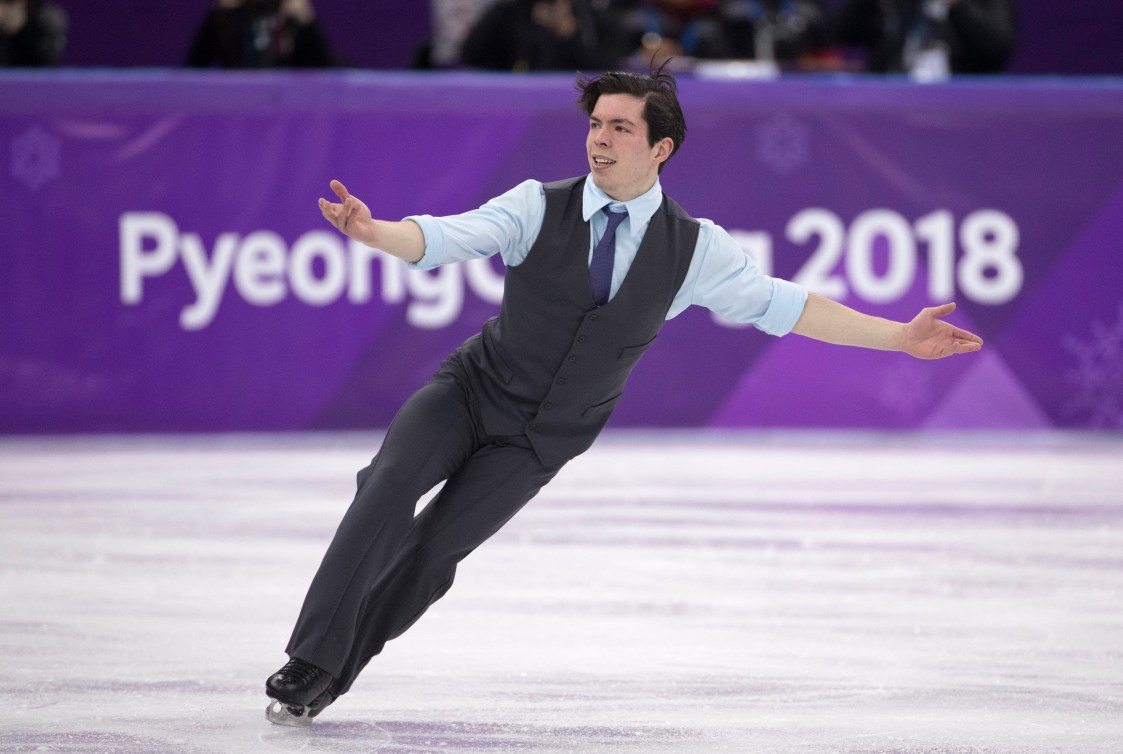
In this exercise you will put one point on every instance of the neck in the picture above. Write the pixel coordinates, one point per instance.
(628, 194)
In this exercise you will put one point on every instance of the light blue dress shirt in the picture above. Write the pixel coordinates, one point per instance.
(721, 277)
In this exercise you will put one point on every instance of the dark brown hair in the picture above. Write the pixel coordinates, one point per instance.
(659, 92)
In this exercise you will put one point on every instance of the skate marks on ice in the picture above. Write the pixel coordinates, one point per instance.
(803, 594)
(327, 736)
(85, 741)
(727, 717)
(416, 737)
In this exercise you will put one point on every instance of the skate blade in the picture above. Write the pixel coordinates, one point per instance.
(283, 714)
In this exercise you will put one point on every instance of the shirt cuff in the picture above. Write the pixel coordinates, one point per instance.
(784, 309)
(434, 242)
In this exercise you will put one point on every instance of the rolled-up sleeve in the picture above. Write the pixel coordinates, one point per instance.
(507, 225)
(788, 300)
(726, 280)
(434, 242)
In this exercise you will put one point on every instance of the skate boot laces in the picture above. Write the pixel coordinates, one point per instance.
(299, 691)
(298, 682)
(298, 673)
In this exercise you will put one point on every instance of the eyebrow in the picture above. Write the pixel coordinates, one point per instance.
(612, 120)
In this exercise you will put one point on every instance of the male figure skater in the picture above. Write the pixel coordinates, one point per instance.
(595, 266)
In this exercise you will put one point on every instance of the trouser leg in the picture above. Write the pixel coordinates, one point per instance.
(432, 435)
(482, 496)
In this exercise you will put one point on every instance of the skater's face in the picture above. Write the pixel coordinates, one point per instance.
(623, 163)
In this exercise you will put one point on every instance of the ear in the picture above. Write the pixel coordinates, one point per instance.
(662, 149)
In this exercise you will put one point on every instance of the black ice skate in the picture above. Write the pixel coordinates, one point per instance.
(299, 691)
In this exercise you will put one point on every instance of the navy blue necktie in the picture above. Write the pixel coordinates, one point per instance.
(600, 269)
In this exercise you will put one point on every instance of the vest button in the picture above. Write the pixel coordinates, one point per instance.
(582, 338)
(593, 315)
(547, 405)
(572, 359)
(532, 426)
(561, 380)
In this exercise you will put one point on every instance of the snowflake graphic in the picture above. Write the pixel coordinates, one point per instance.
(36, 158)
(783, 143)
(906, 389)
(1096, 376)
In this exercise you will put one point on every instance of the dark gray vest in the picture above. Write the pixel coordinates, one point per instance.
(553, 364)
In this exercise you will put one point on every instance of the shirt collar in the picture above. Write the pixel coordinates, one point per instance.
(639, 209)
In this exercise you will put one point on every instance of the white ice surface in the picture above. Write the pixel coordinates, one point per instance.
(797, 593)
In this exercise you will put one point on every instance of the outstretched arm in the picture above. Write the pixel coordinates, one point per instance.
(351, 217)
(925, 337)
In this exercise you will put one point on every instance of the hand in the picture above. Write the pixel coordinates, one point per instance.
(927, 337)
(350, 217)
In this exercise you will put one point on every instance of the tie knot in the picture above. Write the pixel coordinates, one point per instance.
(614, 218)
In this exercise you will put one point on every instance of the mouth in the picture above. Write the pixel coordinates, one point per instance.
(602, 162)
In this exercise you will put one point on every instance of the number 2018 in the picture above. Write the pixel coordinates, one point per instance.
(987, 272)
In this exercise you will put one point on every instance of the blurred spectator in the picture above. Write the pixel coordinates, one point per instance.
(660, 29)
(765, 30)
(32, 33)
(929, 39)
(451, 20)
(542, 35)
(785, 31)
(260, 34)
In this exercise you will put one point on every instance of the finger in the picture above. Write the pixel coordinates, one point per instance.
(969, 336)
(942, 311)
(339, 189)
(350, 207)
(331, 211)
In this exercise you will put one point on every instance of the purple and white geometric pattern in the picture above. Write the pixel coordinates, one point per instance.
(1096, 375)
(783, 143)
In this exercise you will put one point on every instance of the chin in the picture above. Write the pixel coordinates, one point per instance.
(600, 182)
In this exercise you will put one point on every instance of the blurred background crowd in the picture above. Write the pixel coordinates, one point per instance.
(926, 39)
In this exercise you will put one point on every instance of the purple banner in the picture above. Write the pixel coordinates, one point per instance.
(163, 265)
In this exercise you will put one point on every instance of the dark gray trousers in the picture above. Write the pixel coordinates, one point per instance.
(386, 566)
